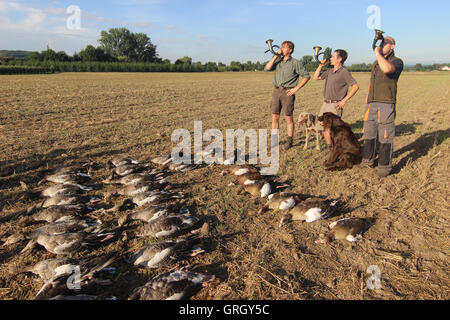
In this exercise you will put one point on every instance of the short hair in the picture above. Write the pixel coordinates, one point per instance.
(343, 54)
(290, 44)
(391, 39)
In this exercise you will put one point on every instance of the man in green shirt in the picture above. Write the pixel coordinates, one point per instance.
(379, 116)
(286, 81)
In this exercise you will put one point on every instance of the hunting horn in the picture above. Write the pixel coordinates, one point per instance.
(317, 52)
(378, 36)
(271, 47)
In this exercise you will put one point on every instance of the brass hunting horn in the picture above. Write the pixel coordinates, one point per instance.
(326, 53)
(378, 36)
(271, 46)
(317, 52)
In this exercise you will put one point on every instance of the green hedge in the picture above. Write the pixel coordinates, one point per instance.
(56, 66)
(24, 70)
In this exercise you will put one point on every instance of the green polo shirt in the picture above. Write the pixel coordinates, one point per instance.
(288, 72)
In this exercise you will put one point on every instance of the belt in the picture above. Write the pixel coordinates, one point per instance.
(331, 101)
(283, 88)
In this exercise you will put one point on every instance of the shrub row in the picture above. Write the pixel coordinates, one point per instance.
(24, 70)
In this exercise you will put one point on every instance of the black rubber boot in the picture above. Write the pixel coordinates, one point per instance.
(369, 152)
(385, 159)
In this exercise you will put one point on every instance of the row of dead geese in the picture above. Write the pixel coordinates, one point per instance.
(73, 225)
(295, 207)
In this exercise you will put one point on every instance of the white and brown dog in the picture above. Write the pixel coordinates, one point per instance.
(310, 122)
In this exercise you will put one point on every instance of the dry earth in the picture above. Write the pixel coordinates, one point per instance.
(50, 120)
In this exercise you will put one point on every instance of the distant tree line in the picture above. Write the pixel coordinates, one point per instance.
(431, 67)
(121, 50)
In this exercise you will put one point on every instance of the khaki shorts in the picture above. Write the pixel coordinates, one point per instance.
(328, 107)
(280, 100)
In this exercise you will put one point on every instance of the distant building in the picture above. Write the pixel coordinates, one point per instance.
(444, 68)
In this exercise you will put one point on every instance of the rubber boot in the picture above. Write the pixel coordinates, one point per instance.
(369, 152)
(385, 159)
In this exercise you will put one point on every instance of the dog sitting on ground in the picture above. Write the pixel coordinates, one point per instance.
(309, 121)
(346, 150)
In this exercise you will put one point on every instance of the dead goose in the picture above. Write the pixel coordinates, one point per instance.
(53, 213)
(66, 243)
(163, 160)
(178, 285)
(74, 169)
(67, 175)
(350, 229)
(167, 161)
(281, 201)
(64, 189)
(66, 224)
(134, 178)
(310, 210)
(146, 215)
(168, 226)
(58, 285)
(144, 199)
(120, 161)
(126, 169)
(164, 253)
(182, 167)
(263, 188)
(68, 178)
(259, 189)
(150, 197)
(135, 189)
(248, 178)
(49, 268)
(239, 170)
(64, 199)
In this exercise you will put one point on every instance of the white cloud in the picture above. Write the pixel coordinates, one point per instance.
(31, 28)
(32, 18)
(3, 7)
(37, 27)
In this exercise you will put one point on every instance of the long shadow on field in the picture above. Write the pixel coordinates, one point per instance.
(11, 251)
(402, 129)
(405, 129)
(358, 125)
(420, 147)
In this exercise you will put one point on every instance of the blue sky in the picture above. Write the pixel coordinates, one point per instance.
(227, 30)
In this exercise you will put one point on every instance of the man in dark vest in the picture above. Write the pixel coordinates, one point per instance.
(381, 99)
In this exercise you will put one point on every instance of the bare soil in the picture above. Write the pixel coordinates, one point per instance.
(48, 121)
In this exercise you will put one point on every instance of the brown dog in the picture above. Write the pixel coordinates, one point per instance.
(309, 121)
(346, 150)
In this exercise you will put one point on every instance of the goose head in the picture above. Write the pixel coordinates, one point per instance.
(285, 219)
(16, 238)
